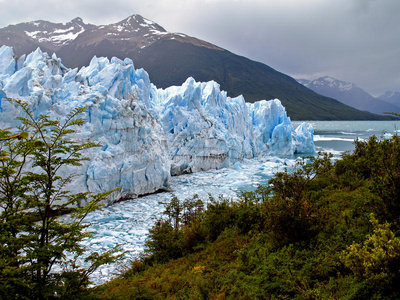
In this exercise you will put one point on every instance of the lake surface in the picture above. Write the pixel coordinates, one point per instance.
(339, 136)
(127, 223)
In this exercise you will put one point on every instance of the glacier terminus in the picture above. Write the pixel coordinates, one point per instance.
(146, 134)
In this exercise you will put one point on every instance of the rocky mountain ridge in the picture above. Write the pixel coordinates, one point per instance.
(170, 58)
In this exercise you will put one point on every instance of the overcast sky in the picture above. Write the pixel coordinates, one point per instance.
(351, 40)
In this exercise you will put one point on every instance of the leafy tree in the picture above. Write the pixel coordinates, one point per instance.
(164, 242)
(219, 215)
(33, 196)
(179, 233)
(174, 211)
(13, 186)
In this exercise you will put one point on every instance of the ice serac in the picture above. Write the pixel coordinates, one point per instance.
(204, 128)
(147, 134)
(274, 133)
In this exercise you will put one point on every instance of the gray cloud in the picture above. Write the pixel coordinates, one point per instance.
(352, 40)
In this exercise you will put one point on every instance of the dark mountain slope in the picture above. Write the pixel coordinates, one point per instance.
(170, 62)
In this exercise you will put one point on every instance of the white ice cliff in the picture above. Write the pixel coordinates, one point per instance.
(147, 134)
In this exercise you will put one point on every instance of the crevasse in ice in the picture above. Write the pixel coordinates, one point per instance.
(147, 134)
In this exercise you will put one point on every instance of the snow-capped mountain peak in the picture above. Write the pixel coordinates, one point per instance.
(136, 23)
(333, 83)
(134, 32)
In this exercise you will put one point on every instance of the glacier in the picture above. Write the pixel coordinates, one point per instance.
(147, 134)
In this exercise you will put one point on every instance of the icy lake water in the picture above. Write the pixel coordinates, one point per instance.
(127, 223)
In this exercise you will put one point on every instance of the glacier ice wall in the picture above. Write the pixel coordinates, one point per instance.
(147, 134)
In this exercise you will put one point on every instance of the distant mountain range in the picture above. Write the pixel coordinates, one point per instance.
(170, 58)
(392, 97)
(354, 96)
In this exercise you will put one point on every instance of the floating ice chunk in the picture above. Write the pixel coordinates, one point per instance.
(305, 139)
(238, 166)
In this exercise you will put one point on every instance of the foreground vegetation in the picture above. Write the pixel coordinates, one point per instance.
(330, 230)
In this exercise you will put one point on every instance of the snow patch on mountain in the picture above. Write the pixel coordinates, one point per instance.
(333, 83)
(56, 34)
(63, 38)
(147, 134)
